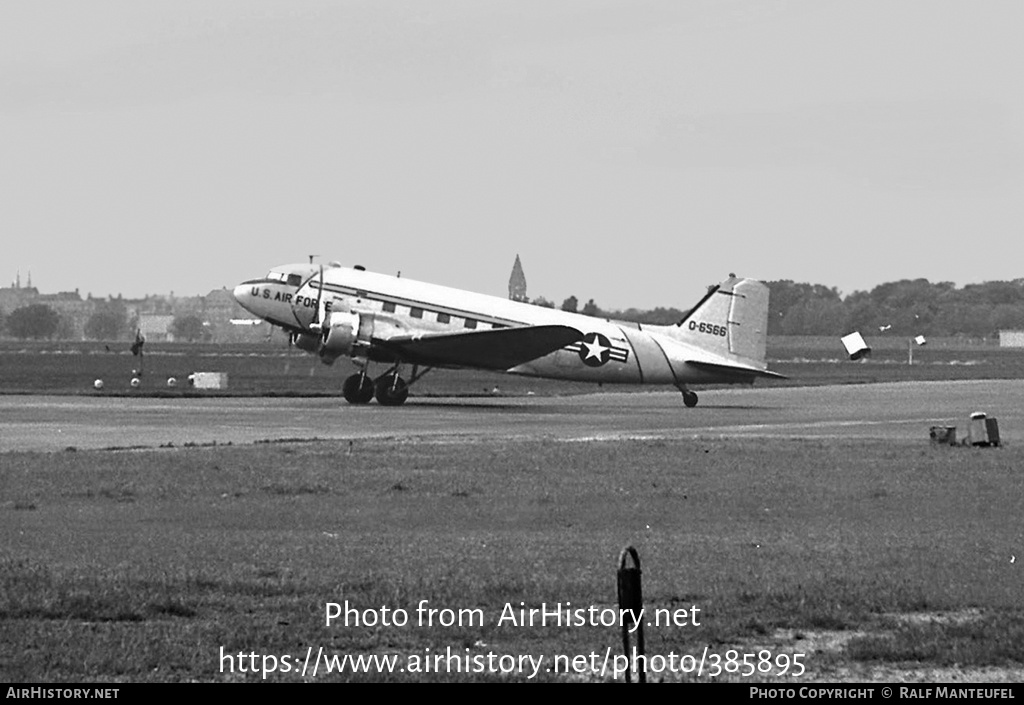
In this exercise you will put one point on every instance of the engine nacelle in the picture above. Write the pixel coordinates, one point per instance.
(341, 335)
(307, 342)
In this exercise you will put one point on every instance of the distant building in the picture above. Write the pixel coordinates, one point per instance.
(16, 296)
(1011, 338)
(156, 328)
(228, 322)
(224, 320)
(73, 311)
(517, 282)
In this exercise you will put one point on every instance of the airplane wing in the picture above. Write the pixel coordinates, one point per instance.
(497, 349)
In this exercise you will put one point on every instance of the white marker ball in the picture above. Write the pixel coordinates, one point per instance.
(135, 382)
(171, 382)
(98, 384)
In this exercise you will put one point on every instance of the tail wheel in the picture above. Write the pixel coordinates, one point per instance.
(690, 398)
(391, 390)
(357, 389)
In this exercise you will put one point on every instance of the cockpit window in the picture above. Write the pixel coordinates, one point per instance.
(289, 279)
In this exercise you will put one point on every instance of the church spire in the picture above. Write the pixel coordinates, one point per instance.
(517, 282)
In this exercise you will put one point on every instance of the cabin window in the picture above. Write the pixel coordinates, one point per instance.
(498, 325)
(294, 280)
(416, 312)
(443, 318)
(470, 323)
(389, 307)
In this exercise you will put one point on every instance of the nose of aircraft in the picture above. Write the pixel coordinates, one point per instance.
(241, 294)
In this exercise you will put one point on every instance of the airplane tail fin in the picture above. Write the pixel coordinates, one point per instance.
(730, 323)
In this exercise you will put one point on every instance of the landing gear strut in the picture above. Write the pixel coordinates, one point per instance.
(390, 389)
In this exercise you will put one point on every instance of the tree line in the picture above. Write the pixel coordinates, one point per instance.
(109, 322)
(907, 307)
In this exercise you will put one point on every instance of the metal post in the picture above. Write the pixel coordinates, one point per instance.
(631, 599)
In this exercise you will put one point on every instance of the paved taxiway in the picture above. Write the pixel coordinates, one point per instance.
(877, 411)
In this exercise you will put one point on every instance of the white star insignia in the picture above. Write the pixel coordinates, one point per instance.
(595, 349)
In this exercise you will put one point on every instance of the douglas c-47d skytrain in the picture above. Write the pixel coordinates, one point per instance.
(376, 318)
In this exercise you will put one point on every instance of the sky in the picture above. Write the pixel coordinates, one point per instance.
(632, 152)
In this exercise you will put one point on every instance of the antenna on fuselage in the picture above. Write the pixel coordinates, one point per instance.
(311, 258)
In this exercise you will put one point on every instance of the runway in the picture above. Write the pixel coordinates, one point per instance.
(878, 411)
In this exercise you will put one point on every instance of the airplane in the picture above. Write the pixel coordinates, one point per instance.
(377, 318)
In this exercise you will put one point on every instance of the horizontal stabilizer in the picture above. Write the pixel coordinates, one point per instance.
(740, 371)
(487, 349)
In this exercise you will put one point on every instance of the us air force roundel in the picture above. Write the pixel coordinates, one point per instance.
(595, 350)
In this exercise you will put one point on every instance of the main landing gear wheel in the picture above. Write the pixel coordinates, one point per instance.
(357, 389)
(391, 390)
(690, 398)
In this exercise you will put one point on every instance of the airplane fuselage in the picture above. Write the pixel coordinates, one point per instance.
(697, 350)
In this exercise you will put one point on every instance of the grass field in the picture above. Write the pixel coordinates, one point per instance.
(141, 565)
(891, 561)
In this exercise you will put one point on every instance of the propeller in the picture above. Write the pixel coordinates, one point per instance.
(316, 323)
(308, 324)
